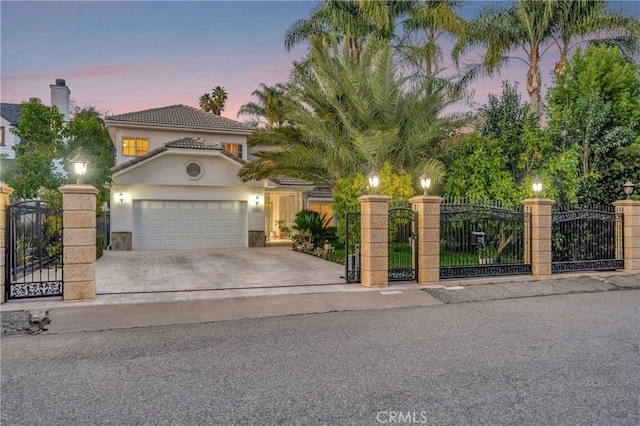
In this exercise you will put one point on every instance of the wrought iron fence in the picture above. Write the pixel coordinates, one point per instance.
(352, 248)
(33, 250)
(586, 238)
(483, 239)
(103, 228)
(403, 248)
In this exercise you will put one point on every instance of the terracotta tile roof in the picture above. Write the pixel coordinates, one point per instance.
(321, 193)
(11, 113)
(180, 115)
(287, 181)
(184, 143)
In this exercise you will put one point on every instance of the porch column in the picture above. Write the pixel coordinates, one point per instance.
(374, 241)
(630, 233)
(79, 241)
(5, 193)
(428, 227)
(539, 239)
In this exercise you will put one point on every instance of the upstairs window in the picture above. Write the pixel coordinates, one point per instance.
(234, 149)
(134, 147)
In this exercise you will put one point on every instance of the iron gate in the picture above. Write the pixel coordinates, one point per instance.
(33, 250)
(403, 247)
(352, 248)
(483, 239)
(586, 238)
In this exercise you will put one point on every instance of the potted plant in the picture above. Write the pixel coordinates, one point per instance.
(280, 225)
(486, 255)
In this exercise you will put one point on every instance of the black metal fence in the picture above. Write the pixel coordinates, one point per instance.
(403, 248)
(33, 250)
(586, 238)
(352, 248)
(103, 228)
(483, 239)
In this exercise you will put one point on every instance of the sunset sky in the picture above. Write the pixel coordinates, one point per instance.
(129, 56)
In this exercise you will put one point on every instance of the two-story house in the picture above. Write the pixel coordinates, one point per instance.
(9, 117)
(175, 183)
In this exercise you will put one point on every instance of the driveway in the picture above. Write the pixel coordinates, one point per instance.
(211, 269)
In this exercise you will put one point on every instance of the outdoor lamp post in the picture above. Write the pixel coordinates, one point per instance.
(537, 185)
(628, 188)
(374, 180)
(425, 182)
(80, 163)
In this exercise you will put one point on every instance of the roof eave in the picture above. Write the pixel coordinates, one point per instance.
(120, 123)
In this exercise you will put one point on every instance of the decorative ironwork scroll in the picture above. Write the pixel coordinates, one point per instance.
(403, 247)
(352, 248)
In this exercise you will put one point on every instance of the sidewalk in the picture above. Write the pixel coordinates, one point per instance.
(151, 309)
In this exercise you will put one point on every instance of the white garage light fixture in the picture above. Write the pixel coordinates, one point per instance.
(257, 200)
(121, 198)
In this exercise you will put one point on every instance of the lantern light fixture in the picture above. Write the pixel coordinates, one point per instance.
(628, 188)
(374, 180)
(537, 185)
(121, 198)
(80, 163)
(425, 182)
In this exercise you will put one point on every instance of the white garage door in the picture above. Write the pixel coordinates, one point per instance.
(189, 224)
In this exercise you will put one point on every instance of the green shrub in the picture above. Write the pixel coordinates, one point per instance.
(310, 224)
(100, 239)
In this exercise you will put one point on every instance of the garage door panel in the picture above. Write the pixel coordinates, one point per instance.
(188, 224)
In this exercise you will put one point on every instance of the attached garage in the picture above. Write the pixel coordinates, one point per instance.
(189, 224)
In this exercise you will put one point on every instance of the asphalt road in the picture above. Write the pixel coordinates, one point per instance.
(571, 359)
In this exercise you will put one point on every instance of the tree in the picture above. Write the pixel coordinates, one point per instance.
(33, 168)
(269, 108)
(595, 111)
(215, 101)
(349, 118)
(535, 27)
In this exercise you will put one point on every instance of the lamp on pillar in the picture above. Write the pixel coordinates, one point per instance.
(628, 188)
(537, 186)
(425, 182)
(80, 163)
(374, 180)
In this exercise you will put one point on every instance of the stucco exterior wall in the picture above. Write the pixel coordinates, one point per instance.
(158, 137)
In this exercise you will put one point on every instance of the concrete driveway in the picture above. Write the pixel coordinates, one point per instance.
(211, 269)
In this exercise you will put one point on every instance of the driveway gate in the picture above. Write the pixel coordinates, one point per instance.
(482, 239)
(403, 247)
(33, 250)
(586, 239)
(352, 248)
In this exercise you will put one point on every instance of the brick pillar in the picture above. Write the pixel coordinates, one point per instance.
(5, 193)
(631, 232)
(79, 241)
(374, 240)
(428, 226)
(538, 245)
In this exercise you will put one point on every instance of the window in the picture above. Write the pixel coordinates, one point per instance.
(322, 208)
(2, 131)
(234, 149)
(133, 147)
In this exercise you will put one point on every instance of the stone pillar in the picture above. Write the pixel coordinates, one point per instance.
(538, 245)
(630, 232)
(374, 240)
(428, 227)
(5, 193)
(79, 241)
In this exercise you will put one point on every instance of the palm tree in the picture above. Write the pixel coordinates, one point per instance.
(219, 97)
(269, 107)
(214, 102)
(349, 22)
(436, 19)
(347, 117)
(534, 27)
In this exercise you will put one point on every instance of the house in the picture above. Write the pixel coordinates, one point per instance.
(175, 183)
(9, 117)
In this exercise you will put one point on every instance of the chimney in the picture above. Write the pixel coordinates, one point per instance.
(60, 97)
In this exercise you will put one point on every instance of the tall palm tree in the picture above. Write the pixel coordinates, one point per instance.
(429, 21)
(269, 107)
(215, 101)
(534, 27)
(219, 97)
(347, 117)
